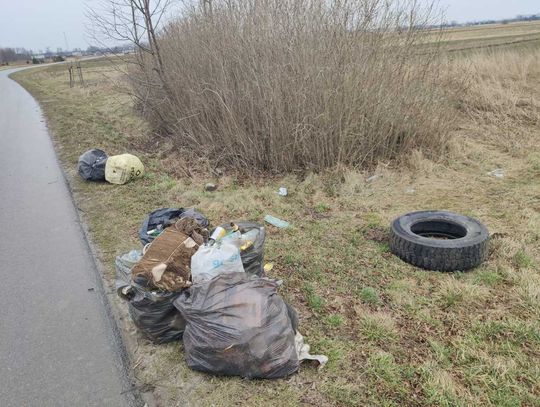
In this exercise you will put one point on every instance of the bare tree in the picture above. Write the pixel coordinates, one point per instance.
(137, 23)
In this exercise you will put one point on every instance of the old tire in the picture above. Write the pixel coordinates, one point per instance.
(441, 241)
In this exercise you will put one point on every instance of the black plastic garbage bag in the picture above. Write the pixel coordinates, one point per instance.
(238, 325)
(92, 165)
(152, 311)
(253, 256)
(161, 218)
(154, 314)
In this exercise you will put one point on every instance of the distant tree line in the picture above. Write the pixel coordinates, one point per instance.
(8, 55)
(519, 18)
(118, 49)
(532, 17)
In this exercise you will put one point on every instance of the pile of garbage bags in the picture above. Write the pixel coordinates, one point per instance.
(95, 165)
(209, 290)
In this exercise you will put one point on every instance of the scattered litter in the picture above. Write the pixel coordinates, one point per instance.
(283, 191)
(268, 267)
(210, 187)
(279, 223)
(302, 350)
(237, 324)
(91, 165)
(498, 173)
(91, 289)
(372, 178)
(122, 168)
(410, 190)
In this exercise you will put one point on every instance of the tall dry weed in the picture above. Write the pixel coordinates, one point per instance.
(299, 84)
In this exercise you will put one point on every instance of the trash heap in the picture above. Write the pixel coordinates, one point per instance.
(95, 165)
(210, 290)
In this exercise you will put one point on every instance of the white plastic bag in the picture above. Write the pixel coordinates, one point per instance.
(211, 261)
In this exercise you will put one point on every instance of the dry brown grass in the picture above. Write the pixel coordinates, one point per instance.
(502, 91)
(493, 36)
(292, 85)
(493, 31)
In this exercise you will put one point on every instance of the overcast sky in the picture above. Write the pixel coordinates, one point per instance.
(37, 24)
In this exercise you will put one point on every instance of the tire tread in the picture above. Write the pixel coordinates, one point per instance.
(436, 258)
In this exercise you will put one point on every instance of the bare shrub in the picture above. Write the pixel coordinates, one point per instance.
(284, 85)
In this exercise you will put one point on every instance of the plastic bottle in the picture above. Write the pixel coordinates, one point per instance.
(279, 223)
(219, 233)
(248, 239)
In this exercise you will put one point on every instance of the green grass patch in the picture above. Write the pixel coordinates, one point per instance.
(315, 302)
(523, 260)
(369, 295)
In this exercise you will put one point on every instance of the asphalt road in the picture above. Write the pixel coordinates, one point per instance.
(58, 345)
